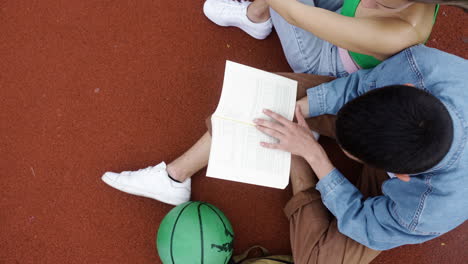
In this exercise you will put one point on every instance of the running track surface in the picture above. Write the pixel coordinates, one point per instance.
(92, 86)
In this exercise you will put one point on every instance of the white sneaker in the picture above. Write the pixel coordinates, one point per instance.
(227, 13)
(152, 182)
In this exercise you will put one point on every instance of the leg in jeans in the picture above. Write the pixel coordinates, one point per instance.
(305, 52)
(259, 10)
(315, 237)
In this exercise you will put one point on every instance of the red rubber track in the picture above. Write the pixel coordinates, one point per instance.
(92, 86)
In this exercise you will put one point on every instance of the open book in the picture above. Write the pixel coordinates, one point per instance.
(236, 153)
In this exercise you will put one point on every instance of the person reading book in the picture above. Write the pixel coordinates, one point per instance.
(332, 37)
(405, 120)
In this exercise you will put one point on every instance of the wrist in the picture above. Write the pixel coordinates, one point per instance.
(303, 104)
(320, 163)
(314, 159)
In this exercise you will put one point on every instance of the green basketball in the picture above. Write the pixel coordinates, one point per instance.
(195, 233)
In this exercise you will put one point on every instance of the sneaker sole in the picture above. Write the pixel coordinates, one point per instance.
(136, 191)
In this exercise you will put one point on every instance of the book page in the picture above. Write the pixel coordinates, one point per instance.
(236, 153)
(247, 91)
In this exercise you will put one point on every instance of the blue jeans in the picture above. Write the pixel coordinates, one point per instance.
(305, 52)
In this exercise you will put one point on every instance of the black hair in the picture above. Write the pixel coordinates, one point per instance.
(398, 128)
(458, 3)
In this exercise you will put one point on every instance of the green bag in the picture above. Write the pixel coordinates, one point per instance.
(265, 258)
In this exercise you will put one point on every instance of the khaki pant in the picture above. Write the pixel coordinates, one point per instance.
(315, 238)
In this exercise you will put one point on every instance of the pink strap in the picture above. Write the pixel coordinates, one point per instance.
(347, 61)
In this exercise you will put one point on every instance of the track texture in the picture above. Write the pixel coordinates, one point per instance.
(91, 86)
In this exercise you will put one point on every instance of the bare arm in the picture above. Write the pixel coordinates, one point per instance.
(377, 36)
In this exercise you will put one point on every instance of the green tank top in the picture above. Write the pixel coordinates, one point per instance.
(364, 61)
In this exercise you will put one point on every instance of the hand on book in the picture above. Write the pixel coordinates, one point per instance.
(295, 138)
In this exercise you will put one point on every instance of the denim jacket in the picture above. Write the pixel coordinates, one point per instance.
(431, 203)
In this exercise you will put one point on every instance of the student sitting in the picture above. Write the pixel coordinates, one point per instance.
(412, 140)
(332, 37)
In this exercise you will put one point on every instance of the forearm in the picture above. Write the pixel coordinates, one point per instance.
(317, 158)
(380, 37)
(320, 164)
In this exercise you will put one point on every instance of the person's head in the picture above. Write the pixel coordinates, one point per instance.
(458, 3)
(399, 128)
